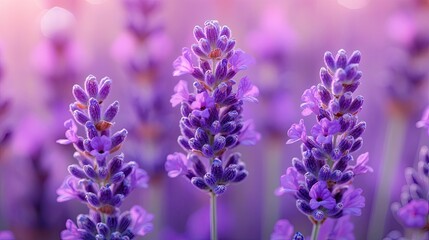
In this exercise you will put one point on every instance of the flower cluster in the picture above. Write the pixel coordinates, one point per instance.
(212, 121)
(322, 180)
(413, 210)
(139, 11)
(341, 228)
(102, 178)
(4, 109)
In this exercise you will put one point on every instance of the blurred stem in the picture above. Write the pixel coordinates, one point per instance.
(392, 152)
(315, 232)
(213, 220)
(273, 150)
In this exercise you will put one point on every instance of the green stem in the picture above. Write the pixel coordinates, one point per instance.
(213, 221)
(315, 232)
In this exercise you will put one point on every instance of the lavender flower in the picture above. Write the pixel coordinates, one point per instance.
(413, 210)
(6, 235)
(408, 73)
(340, 228)
(322, 180)
(282, 230)
(212, 121)
(101, 179)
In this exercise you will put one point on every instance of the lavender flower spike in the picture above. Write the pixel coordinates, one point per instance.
(212, 121)
(101, 179)
(322, 180)
(413, 210)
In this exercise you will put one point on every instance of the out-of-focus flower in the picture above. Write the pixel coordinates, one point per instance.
(413, 211)
(424, 122)
(339, 229)
(282, 230)
(183, 64)
(414, 214)
(6, 235)
(333, 228)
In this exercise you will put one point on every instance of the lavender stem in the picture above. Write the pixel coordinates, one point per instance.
(392, 154)
(315, 231)
(213, 217)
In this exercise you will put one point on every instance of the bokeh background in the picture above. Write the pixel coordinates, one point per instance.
(46, 46)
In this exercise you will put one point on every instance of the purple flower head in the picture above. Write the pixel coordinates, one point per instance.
(324, 129)
(71, 232)
(240, 60)
(297, 132)
(176, 164)
(100, 179)
(311, 101)
(212, 122)
(289, 182)
(321, 196)
(247, 91)
(202, 101)
(101, 147)
(298, 236)
(181, 93)
(183, 64)
(282, 230)
(413, 210)
(71, 133)
(414, 214)
(424, 122)
(138, 178)
(341, 229)
(249, 136)
(141, 221)
(361, 167)
(69, 189)
(353, 202)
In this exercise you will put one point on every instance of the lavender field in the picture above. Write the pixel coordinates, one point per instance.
(214, 119)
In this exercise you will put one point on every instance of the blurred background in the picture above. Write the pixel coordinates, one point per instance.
(46, 46)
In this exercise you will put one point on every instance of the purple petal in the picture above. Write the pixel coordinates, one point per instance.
(68, 190)
(353, 202)
(341, 228)
(141, 221)
(414, 214)
(71, 133)
(248, 135)
(71, 232)
(282, 230)
(311, 100)
(203, 100)
(361, 166)
(181, 93)
(139, 178)
(240, 60)
(183, 64)
(247, 91)
(289, 182)
(176, 164)
(321, 196)
(297, 132)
